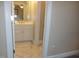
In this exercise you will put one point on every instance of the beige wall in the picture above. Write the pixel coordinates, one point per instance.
(42, 17)
(64, 33)
(30, 9)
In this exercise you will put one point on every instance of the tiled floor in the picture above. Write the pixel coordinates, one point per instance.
(27, 50)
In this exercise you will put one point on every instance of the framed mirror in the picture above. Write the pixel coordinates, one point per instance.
(22, 10)
(18, 9)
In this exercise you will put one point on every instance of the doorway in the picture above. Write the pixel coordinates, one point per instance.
(28, 28)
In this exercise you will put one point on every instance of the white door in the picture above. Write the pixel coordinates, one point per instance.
(6, 46)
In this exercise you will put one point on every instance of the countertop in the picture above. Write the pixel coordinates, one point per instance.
(23, 22)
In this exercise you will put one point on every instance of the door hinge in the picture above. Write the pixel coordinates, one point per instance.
(14, 51)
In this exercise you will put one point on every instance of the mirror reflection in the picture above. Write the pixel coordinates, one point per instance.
(21, 9)
(18, 12)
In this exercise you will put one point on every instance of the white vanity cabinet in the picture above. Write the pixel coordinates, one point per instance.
(23, 32)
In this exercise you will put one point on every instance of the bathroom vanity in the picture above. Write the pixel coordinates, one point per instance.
(24, 30)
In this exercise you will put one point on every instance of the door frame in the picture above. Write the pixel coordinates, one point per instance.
(47, 22)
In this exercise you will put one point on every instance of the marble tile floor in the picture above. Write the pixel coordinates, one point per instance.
(27, 50)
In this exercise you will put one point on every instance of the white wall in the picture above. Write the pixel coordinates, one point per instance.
(64, 33)
(2, 32)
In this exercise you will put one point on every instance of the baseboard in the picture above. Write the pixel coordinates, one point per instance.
(2, 57)
(66, 54)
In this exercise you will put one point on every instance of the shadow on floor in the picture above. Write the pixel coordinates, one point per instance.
(73, 56)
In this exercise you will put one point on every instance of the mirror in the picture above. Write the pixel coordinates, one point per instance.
(18, 12)
(21, 9)
(25, 10)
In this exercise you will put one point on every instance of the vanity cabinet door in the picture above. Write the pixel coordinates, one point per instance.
(19, 36)
(28, 32)
(19, 33)
(23, 32)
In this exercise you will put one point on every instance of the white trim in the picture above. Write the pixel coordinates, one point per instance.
(48, 16)
(65, 54)
(12, 23)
